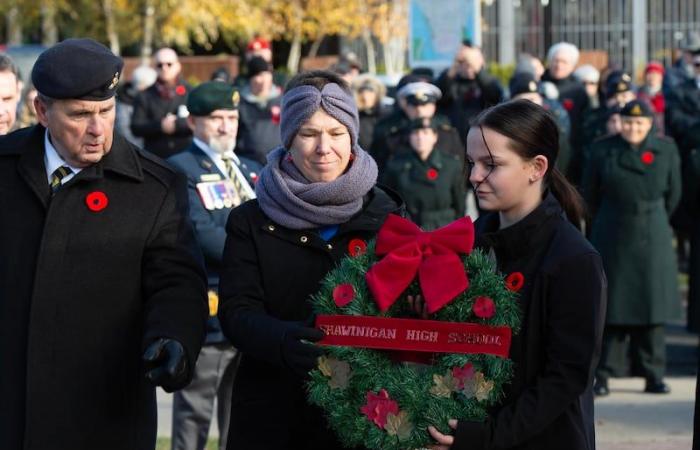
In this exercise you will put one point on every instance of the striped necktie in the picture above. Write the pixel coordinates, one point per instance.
(235, 178)
(56, 177)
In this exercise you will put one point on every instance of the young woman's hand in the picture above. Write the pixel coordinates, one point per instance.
(444, 441)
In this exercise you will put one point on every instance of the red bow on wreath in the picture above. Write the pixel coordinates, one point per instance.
(433, 255)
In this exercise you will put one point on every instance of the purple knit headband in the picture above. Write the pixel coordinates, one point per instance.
(300, 103)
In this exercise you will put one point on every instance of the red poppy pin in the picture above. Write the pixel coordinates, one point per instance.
(180, 90)
(647, 157)
(343, 294)
(432, 174)
(357, 247)
(483, 307)
(568, 104)
(515, 281)
(275, 114)
(96, 201)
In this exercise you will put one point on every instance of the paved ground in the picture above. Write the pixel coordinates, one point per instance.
(627, 419)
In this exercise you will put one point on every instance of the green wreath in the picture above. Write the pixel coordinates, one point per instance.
(373, 401)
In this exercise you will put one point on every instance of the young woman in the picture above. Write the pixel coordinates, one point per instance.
(531, 231)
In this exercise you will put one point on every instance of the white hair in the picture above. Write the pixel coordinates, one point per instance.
(569, 49)
(587, 73)
(143, 77)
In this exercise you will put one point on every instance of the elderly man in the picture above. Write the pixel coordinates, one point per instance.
(467, 88)
(159, 112)
(562, 59)
(9, 94)
(218, 181)
(102, 291)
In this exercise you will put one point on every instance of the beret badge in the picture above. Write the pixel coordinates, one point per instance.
(235, 98)
(621, 87)
(532, 86)
(636, 111)
(421, 96)
(115, 81)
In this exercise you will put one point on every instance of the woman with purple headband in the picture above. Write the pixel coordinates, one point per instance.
(316, 202)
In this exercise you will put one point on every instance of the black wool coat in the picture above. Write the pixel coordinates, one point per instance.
(83, 292)
(549, 403)
(269, 274)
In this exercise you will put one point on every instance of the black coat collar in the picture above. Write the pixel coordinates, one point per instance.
(519, 239)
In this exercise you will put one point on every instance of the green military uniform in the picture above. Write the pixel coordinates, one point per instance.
(434, 189)
(631, 193)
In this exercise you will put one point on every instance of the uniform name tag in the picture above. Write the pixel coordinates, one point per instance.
(218, 194)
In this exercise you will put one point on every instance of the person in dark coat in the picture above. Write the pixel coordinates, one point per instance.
(416, 99)
(369, 92)
(316, 202)
(561, 62)
(632, 185)
(209, 165)
(259, 126)
(532, 231)
(102, 289)
(160, 112)
(430, 181)
(467, 88)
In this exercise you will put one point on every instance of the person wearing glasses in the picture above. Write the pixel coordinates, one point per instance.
(160, 112)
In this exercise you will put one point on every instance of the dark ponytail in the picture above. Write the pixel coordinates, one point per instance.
(533, 131)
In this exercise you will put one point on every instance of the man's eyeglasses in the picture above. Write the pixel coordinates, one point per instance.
(160, 65)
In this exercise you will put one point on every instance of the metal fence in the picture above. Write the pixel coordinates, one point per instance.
(592, 25)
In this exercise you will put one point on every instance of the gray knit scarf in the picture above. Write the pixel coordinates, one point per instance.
(289, 199)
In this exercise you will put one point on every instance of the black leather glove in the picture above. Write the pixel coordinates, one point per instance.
(166, 364)
(297, 355)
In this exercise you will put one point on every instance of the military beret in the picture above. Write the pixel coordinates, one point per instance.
(421, 123)
(420, 93)
(210, 96)
(637, 108)
(617, 83)
(80, 69)
(522, 83)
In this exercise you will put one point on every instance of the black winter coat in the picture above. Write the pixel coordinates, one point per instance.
(269, 274)
(549, 403)
(82, 293)
(149, 109)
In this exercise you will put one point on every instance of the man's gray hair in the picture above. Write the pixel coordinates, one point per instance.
(569, 49)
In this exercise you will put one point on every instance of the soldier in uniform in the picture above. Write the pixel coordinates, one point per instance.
(416, 99)
(101, 278)
(618, 92)
(429, 180)
(632, 185)
(218, 181)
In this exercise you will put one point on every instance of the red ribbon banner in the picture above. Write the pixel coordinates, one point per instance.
(434, 256)
(414, 335)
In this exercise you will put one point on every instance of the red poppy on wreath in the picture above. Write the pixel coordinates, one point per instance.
(180, 90)
(647, 157)
(432, 174)
(463, 374)
(483, 307)
(378, 407)
(515, 281)
(357, 247)
(96, 201)
(343, 294)
(568, 104)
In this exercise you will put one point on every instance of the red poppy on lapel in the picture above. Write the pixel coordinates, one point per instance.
(96, 201)
(432, 174)
(647, 157)
(180, 90)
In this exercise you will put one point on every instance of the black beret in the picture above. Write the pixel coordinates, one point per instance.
(210, 96)
(80, 69)
(422, 122)
(521, 83)
(258, 65)
(637, 108)
(611, 111)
